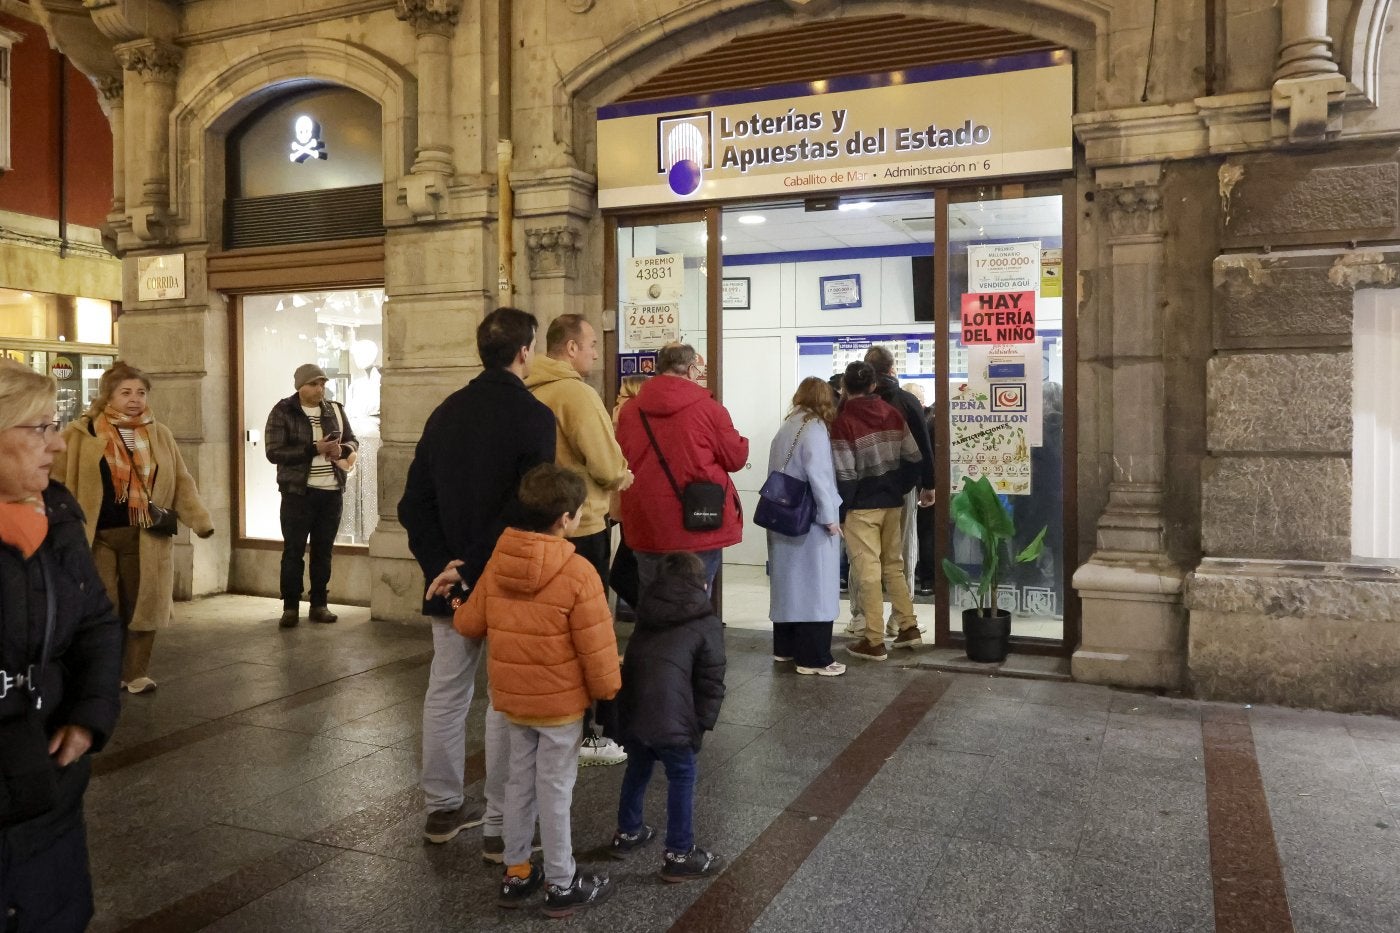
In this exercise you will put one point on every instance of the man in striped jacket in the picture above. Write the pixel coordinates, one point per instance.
(877, 463)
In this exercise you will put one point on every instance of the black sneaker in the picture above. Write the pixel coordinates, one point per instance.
(585, 891)
(493, 848)
(683, 866)
(624, 844)
(289, 619)
(444, 825)
(516, 891)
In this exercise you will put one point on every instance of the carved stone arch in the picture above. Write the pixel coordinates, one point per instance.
(204, 118)
(1360, 48)
(1081, 25)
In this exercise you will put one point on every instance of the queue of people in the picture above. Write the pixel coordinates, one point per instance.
(506, 506)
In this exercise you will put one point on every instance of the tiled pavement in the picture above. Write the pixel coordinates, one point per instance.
(270, 785)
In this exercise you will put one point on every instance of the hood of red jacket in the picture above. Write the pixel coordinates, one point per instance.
(666, 395)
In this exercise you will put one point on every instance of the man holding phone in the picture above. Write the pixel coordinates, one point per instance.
(310, 440)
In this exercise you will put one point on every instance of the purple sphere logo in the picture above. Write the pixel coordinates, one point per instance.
(685, 147)
(684, 177)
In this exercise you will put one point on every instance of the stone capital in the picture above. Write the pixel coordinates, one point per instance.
(553, 251)
(1131, 200)
(432, 17)
(112, 89)
(150, 58)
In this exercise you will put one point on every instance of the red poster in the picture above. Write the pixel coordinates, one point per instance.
(998, 317)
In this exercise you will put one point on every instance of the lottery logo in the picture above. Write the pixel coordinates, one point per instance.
(683, 150)
(1009, 396)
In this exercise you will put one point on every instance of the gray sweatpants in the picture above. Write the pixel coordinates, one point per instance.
(451, 683)
(543, 768)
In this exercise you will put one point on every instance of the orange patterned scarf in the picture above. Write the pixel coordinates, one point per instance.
(24, 525)
(134, 491)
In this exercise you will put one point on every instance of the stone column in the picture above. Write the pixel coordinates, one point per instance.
(112, 93)
(434, 22)
(158, 64)
(1308, 91)
(1133, 624)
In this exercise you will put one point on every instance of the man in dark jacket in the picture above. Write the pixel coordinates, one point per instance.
(310, 440)
(456, 501)
(877, 463)
(672, 687)
(908, 405)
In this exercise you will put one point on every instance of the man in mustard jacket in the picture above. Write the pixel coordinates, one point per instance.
(585, 444)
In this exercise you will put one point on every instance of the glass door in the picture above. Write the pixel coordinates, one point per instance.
(1006, 341)
(662, 292)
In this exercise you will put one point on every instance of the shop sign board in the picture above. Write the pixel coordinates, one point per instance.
(958, 121)
(160, 278)
(62, 368)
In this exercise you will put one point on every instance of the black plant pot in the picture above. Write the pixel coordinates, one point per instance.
(988, 636)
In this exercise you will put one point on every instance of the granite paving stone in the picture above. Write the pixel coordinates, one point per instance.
(328, 898)
(308, 807)
(271, 784)
(1149, 896)
(984, 886)
(855, 879)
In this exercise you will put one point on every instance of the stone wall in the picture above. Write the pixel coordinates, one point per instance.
(1317, 630)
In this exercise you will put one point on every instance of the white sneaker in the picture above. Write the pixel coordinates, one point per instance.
(141, 685)
(854, 627)
(834, 669)
(597, 750)
(891, 629)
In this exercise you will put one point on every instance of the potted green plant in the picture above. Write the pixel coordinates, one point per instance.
(980, 514)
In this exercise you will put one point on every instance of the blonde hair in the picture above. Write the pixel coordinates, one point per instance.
(630, 386)
(24, 394)
(814, 396)
(120, 372)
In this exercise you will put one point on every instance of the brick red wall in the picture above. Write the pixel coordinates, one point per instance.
(31, 186)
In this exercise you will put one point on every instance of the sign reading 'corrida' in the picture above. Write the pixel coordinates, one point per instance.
(957, 121)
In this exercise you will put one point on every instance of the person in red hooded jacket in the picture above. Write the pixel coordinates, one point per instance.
(697, 438)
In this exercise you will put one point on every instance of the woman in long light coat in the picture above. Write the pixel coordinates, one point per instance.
(120, 460)
(804, 595)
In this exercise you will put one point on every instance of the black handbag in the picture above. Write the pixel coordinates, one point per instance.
(785, 503)
(28, 778)
(165, 523)
(702, 502)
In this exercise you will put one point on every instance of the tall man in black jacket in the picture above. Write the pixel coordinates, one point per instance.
(460, 489)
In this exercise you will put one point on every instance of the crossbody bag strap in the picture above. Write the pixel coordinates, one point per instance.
(666, 467)
(795, 438)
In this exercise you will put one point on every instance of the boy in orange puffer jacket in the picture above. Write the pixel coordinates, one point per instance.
(552, 652)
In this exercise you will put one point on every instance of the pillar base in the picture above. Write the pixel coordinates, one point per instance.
(396, 592)
(1134, 626)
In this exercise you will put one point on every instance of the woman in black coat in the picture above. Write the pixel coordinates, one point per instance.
(60, 664)
(672, 687)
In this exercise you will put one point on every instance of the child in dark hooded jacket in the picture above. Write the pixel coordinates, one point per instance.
(672, 687)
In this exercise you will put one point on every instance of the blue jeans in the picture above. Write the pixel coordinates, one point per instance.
(680, 792)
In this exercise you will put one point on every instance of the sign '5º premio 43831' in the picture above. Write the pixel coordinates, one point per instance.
(954, 122)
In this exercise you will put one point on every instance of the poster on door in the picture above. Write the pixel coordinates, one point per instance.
(655, 279)
(650, 326)
(996, 417)
(1003, 267)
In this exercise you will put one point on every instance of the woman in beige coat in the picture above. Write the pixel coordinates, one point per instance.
(119, 461)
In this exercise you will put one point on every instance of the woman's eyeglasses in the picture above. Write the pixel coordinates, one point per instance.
(45, 430)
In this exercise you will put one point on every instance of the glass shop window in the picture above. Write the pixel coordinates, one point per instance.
(342, 332)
